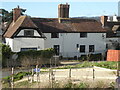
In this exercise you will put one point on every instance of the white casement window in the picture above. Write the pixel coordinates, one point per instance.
(54, 35)
(83, 35)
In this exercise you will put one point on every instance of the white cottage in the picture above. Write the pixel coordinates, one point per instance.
(68, 36)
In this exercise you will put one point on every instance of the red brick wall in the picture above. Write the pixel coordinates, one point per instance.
(113, 55)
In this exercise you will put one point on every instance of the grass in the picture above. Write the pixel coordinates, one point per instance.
(24, 84)
(66, 85)
(104, 64)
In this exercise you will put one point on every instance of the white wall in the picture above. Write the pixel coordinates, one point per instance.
(21, 33)
(9, 42)
(115, 18)
(68, 41)
(17, 43)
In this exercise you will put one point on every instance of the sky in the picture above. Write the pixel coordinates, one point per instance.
(77, 9)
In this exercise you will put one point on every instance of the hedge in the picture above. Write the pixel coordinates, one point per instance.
(95, 57)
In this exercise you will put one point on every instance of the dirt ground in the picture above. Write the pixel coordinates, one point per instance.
(101, 75)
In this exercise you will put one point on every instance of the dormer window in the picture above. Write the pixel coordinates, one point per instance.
(54, 35)
(28, 32)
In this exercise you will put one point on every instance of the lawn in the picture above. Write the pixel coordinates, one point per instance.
(104, 64)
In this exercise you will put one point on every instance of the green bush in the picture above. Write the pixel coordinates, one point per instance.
(16, 76)
(48, 53)
(106, 64)
(6, 54)
(31, 55)
(6, 79)
(91, 57)
(83, 85)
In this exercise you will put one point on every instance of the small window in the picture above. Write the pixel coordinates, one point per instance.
(91, 48)
(83, 35)
(54, 35)
(28, 32)
(82, 48)
(27, 49)
(57, 49)
(77, 45)
(106, 46)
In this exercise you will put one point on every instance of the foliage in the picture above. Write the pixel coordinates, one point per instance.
(48, 53)
(91, 57)
(83, 85)
(16, 76)
(0, 54)
(8, 16)
(25, 58)
(33, 57)
(114, 45)
(6, 54)
(104, 64)
(112, 85)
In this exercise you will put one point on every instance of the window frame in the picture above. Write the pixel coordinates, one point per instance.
(82, 51)
(83, 35)
(26, 34)
(54, 35)
(27, 49)
(91, 48)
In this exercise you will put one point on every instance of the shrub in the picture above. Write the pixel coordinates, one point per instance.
(6, 54)
(91, 57)
(16, 76)
(83, 85)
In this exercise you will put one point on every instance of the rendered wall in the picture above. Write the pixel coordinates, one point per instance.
(68, 41)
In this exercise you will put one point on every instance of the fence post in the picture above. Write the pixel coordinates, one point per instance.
(37, 72)
(32, 75)
(12, 83)
(93, 73)
(70, 73)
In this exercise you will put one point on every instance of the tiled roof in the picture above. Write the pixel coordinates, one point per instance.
(47, 25)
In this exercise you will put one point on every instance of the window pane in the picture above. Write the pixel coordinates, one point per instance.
(82, 48)
(27, 49)
(28, 32)
(54, 35)
(83, 34)
(91, 48)
(57, 49)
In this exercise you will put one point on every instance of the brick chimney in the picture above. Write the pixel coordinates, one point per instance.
(104, 20)
(63, 10)
(16, 13)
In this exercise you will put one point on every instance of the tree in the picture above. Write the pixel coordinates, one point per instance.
(8, 16)
(114, 44)
(6, 54)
